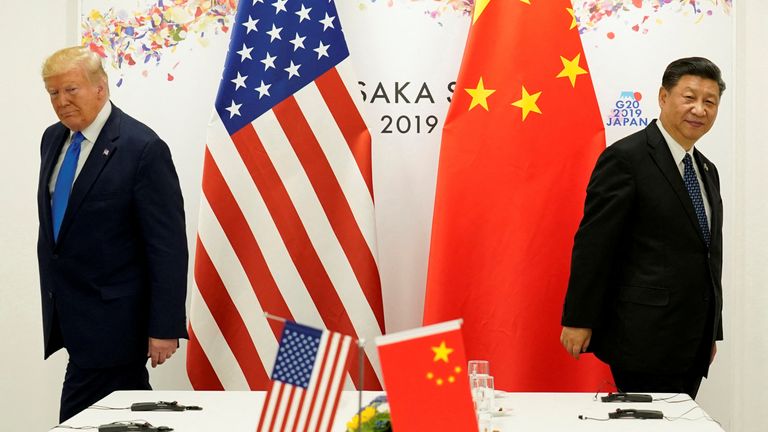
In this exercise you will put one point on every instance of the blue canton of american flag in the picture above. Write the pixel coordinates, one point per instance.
(277, 48)
(296, 355)
(306, 381)
(286, 223)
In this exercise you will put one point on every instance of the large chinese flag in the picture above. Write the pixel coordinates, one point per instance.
(521, 138)
(426, 379)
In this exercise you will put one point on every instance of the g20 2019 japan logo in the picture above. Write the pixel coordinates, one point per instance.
(627, 111)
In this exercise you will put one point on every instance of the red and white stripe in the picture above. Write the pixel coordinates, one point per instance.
(294, 409)
(287, 227)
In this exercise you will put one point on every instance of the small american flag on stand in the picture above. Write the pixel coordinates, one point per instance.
(286, 220)
(306, 380)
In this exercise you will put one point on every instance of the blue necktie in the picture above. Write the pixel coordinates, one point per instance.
(692, 184)
(64, 182)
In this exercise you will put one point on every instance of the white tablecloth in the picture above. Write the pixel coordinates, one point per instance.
(235, 411)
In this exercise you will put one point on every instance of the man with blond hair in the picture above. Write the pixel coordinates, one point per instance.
(112, 247)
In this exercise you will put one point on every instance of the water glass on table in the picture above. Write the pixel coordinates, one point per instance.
(482, 388)
(478, 367)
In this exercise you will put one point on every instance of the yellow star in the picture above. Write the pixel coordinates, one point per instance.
(571, 69)
(479, 8)
(479, 95)
(573, 15)
(442, 352)
(528, 103)
(526, 1)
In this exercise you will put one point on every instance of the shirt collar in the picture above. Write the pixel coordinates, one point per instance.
(92, 131)
(678, 152)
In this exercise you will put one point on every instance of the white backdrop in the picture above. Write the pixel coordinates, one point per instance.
(29, 387)
(404, 73)
(407, 54)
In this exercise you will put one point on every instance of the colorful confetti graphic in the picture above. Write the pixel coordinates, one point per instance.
(638, 15)
(432, 8)
(590, 13)
(144, 38)
(440, 7)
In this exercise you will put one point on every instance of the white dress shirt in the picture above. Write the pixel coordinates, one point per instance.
(91, 134)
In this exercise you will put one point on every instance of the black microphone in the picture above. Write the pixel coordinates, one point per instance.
(627, 397)
(636, 414)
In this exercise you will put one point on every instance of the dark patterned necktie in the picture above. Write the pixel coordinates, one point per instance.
(692, 184)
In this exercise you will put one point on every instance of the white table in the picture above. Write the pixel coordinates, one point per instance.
(561, 411)
(235, 411)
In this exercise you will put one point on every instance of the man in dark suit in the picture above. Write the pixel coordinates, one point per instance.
(112, 246)
(645, 290)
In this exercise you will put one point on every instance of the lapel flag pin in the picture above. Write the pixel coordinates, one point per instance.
(706, 167)
(106, 152)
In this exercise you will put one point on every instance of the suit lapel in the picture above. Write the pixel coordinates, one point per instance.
(713, 194)
(103, 149)
(46, 170)
(660, 153)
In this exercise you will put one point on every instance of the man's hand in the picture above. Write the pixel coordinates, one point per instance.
(160, 350)
(714, 352)
(575, 340)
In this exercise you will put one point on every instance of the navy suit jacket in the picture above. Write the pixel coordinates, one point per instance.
(118, 272)
(642, 276)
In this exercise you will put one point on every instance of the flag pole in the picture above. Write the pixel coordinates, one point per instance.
(274, 317)
(360, 359)
(278, 318)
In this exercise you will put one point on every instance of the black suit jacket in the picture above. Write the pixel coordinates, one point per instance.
(118, 272)
(642, 276)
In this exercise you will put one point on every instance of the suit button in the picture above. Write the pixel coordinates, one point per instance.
(50, 295)
(55, 256)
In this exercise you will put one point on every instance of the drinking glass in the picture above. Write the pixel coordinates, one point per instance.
(482, 388)
(478, 367)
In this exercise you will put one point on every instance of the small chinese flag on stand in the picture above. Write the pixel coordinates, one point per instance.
(426, 380)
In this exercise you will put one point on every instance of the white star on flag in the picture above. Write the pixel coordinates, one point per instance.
(239, 81)
(327, 22)
(280, 6)
(321, 50)
(263, 89)
(250, 24)
(245, 53)
(293, 70)
(269, 61)
(303, 13)
(298, 42)
(234, 109)
(274, 33)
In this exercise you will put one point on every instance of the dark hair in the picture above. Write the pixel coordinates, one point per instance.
(696, 66)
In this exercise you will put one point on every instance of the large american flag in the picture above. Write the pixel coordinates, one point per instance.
(306, 381)
(286, 217)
